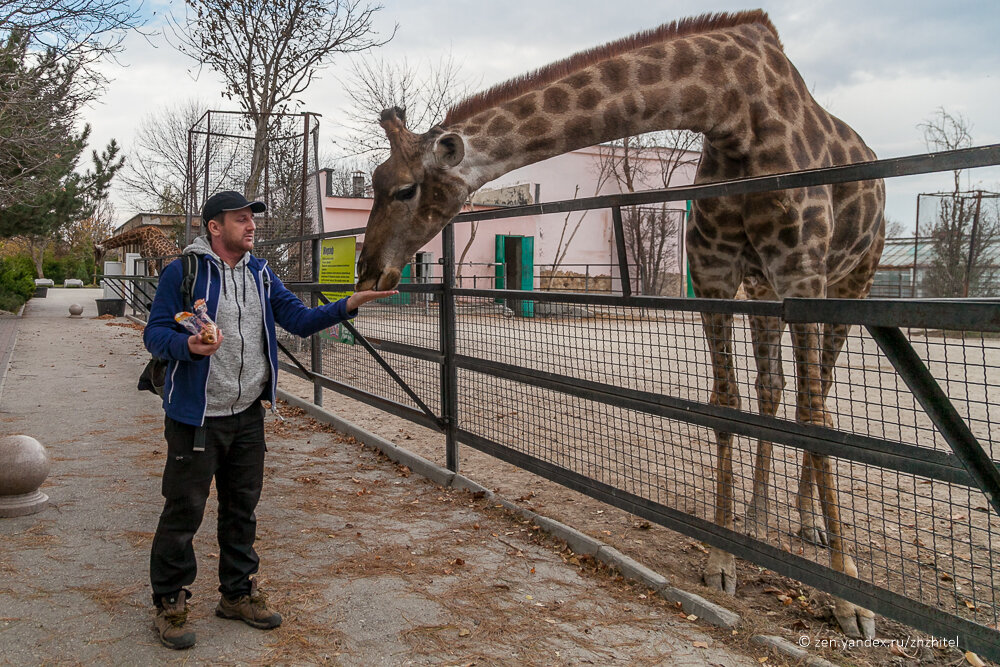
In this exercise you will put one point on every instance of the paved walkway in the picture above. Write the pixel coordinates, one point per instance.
(370, 563)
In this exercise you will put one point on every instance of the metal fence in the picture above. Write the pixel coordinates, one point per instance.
(608, 395)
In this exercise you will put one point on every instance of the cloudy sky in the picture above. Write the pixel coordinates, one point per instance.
(884, 66)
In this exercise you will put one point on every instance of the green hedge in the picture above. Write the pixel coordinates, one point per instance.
(17, 282)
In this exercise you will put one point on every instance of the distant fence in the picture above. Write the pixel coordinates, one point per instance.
(608, 395)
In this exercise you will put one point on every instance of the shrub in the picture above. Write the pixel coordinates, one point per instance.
(16, 282)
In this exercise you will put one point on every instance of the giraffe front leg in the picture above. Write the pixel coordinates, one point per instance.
(811, 408)
(855, 621)
(720, 571)
(811, 528)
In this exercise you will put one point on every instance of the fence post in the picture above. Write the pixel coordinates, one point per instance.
(623, 272)
(449, 372)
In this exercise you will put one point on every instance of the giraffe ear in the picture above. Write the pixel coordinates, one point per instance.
(449, 150)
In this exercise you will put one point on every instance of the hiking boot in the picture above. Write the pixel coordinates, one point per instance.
(171, 620)
(251, 609)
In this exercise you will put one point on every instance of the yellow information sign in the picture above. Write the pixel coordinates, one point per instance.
(336, 265)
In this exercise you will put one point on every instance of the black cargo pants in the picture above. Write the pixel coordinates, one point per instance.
(234, 455)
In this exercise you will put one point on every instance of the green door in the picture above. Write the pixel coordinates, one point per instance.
(515, 269)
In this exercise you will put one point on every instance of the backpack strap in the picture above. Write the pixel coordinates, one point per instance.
(189, 276)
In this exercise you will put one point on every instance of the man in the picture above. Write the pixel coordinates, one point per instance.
(214, 424)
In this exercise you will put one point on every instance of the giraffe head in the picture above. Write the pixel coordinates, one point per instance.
(417, 192)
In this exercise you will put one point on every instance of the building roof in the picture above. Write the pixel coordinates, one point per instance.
(899, 253)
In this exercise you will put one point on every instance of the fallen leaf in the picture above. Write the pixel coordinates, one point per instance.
(762, 660)
(464, 632)
(969, 605)
(896, 649)
(699, 644)
(974, 659)
(945, 576)
(691, 617)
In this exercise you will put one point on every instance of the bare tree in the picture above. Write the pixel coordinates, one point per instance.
(962, 229)
(155, 174)
(269, 52)
(651, 231)
(424, 90)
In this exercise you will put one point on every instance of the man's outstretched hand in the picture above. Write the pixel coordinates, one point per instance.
(359, 299)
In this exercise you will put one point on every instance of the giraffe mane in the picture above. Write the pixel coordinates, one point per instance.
(551, 73)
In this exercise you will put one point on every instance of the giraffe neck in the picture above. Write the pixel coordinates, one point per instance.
(687, 83)
(131, 236)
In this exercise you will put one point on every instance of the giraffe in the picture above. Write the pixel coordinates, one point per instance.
(727, 77)
(153, 244)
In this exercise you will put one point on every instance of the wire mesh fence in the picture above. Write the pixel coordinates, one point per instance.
(612, 395)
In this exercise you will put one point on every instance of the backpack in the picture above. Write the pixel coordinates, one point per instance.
(154, 375)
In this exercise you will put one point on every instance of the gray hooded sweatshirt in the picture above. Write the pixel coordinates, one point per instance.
(239, 369)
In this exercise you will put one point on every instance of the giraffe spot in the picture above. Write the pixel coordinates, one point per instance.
(731, 102)
(654, 52)
(856, 155)
(481, 144)
(502, 152)
(731, 52)
(776, 60)
(614, 123)
(614, 75)
(578, 80)
(793, 264)
(708, 46)
(774, 158)
(545, 144)
(789, 236)
(588, 99)
(500, 125)
(787, 100)
(578, 130)
(556, 100)
(523, 106)
(693, 98)
(844, 132)
(683, 62)
(800, 154)
(768, 251)
(813, 223)
(837, 154)
(825, 120)
(535, 127)
(649, 73)
(654, 100)
(713, 72)
(769, 77)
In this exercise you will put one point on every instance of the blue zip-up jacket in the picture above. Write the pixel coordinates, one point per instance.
(184, 394)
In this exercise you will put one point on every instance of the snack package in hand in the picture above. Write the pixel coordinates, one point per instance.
(208, 330)
(188, 321)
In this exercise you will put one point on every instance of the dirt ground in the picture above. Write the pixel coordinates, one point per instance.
(906, 534)
(369, 563)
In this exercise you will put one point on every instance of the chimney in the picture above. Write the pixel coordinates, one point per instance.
(358, 184)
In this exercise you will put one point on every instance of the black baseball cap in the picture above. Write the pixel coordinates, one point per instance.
(229, 200)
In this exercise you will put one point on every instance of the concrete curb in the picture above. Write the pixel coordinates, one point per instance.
(786, 647)
(579, 542)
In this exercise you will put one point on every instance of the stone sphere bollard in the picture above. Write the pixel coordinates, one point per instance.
(76, 310)
(24, 465)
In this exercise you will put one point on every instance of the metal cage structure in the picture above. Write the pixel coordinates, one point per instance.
(274, 161)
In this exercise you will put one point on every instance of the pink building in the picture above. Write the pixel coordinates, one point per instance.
(525, 249)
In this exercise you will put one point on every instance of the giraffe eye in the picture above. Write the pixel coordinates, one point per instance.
(406, 192)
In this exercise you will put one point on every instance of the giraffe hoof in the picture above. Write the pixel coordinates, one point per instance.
(856, 622)
(814, 535)
(720, 572)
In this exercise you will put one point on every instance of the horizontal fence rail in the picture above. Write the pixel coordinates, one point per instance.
(608, 394)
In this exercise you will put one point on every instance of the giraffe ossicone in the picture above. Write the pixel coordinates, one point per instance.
(727, 77)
